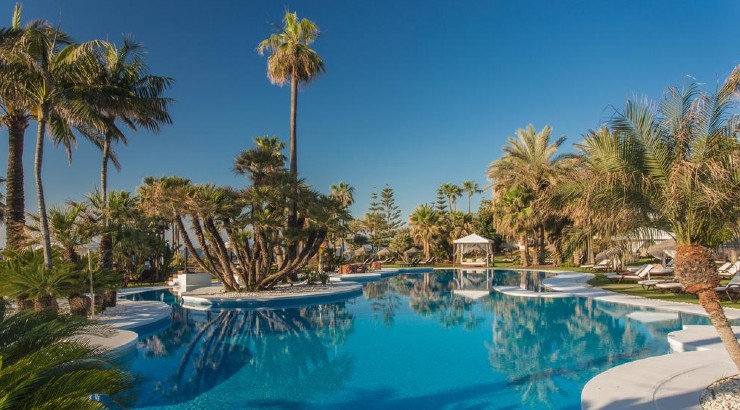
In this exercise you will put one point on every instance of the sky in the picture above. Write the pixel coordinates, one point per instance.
(416, 92)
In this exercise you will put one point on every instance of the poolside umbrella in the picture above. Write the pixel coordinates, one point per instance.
(361, 251)
(609, 253)
(384, 252)
(663, 249)
(411, 251)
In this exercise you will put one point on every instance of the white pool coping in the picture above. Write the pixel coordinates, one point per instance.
(122, 335)
(197, 297)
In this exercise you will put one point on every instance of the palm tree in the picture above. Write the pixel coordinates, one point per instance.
(451, 192)
(470, 188)
(45, 366)
(530, 161)
(679, 167)
(292, 59)
(134, 98)
(512, 210)
(343, 193)
(55, 76)
(425, 226)
(15, 117)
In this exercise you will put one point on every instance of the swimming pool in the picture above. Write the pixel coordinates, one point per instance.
(410, 341)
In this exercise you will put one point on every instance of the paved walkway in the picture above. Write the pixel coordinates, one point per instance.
(123, 319)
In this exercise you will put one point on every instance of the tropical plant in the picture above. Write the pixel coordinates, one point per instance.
(45, 366)
(470, 188)
(512, 215)
(530, 161)
(25, 275)
(53, 82)
(255, 221)
(15, 117)
(135, 99)
(424, 223)
(451, 192)
(677, 165)
(292, 60)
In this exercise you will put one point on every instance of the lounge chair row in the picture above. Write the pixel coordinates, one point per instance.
(731, 290)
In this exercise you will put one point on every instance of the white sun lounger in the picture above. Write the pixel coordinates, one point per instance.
(731, 271)
(635, 277)
(732, 289)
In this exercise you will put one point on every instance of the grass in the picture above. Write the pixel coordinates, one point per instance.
(636, 290)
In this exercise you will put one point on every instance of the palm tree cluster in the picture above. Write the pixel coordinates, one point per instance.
(436, 226)
(672, 165)
(91, 89)
(246, 236)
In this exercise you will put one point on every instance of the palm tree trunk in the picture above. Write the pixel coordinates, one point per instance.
(541, 245)
(524, 251)
(293, 115)
(106, 242)
(38, 160)
(15, 204)
(469, 196)
(697, 272)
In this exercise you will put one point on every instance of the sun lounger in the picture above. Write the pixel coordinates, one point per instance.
(635, 277)
(651, 283)
(674, 287)
(601, 265)
(731, 271)
(732, 289)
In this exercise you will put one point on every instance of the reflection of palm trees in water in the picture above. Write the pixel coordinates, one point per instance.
(538, 343)
(383, 300)
(286, 348)
(430, 296)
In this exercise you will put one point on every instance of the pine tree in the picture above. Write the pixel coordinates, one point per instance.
(391, 215)
(441, 204)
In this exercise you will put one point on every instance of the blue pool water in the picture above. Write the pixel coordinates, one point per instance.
(408, 342)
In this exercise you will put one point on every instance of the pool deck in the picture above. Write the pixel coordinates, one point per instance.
(128, 317)
(209, 297)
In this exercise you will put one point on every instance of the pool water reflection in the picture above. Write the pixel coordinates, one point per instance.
(409, 342)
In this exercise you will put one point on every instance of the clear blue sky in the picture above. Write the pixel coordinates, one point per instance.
(416, 93)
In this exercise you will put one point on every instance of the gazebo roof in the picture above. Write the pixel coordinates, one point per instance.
(473, 238)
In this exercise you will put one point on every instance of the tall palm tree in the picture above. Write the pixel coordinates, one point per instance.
(135, 98)
(343, 193)
(15, 117)
(451, 192)
(424, 223)
(512, 211)
(679, 167)
(530, 161)
(292, 60)
(55, 76)
(470, 188)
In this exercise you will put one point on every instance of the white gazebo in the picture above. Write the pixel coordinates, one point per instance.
(472, 243)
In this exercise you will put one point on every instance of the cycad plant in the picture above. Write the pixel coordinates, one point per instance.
(677, 165)
(44, 366)
(25, 276)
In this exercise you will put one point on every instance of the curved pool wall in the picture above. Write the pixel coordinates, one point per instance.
(407, 341)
